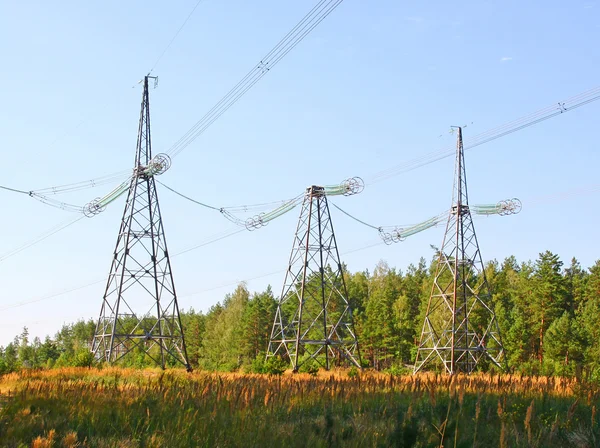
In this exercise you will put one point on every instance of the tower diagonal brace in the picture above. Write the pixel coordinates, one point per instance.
(140, 312)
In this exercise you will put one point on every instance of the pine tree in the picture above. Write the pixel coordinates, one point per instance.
(257, 323)
(565, 346)
(549, 298)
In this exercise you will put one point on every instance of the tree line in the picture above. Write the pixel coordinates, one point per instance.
(548, 313)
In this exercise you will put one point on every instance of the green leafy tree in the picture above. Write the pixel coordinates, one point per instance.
(380, 333)
(194, 326)
(222, 345)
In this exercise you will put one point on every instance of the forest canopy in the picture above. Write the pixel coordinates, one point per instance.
(548, 313)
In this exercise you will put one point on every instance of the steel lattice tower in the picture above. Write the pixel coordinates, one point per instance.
(140, 275)
(313, 320)
(460, 328)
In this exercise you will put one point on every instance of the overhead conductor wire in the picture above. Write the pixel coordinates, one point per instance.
(309, 22)
(543, 114)
(218, 237)
(175, 36)
(102, 180)
(40, 238)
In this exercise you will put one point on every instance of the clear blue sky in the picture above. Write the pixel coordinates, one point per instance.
(374, 85)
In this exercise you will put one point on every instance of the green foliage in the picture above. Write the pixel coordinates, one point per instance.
(222, 344)
(257, 365)
(83, 358)
(548, 316)
(398, 370)
(309, 366)
(274, 365)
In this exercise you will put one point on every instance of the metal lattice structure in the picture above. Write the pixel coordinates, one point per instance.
(313, 321)
(139, 311)
(460, 329)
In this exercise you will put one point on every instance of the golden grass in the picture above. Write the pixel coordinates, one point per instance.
(72, 407)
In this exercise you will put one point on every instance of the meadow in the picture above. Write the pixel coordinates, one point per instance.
(116, 407)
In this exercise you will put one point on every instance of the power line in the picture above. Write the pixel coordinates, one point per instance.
(103, 180)
(187, 197)
(348, 187)
(554, 110)
(219, 237)
(39, 238)
(310, 21)
(280, 271)
(510, 127)
(214, 240)
(82, 185)
(14, 190)
(175, 36)
(51, 296)
(355, 218)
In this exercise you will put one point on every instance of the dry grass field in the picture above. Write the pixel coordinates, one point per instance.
(115, 407)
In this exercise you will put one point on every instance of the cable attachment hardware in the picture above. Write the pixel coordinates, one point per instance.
(386, 236)
(353, 185)
(395, 236)
(93, 207)
(158, 165)
(256, 222)
(509, 207)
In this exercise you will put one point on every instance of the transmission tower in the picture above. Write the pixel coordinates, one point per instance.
(313, 320)
(460, 329)
(140, 276)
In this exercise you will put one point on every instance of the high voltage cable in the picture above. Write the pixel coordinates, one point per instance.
(270, 273)
(175, 36)
(51, 296)
(285, 45)
(14, 190)
(394, 234)
(355, 218)
(426, 159)
(226, 234)
(378, 228)
(310, 21)
(563, 196)
(187, 197)
(508, 128)
(351, 186)
(102, 180)
(76, 186)
(217, 237)
(39, 238)
(502, 130)
(68, 188)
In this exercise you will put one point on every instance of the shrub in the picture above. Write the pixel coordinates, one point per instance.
(275, 365)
